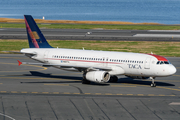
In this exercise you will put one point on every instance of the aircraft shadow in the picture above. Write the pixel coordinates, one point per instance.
(66, 78)
(78, 80)
(142, 82)
(44, 75)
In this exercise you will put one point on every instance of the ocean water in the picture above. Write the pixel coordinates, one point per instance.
(158, 11)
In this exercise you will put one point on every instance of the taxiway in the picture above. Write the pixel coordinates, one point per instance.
(31, 92)
(96, 34)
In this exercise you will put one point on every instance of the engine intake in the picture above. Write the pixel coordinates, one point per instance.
(97, 76)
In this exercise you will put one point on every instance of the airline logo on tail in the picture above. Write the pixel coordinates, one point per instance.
(35, 37)
(32, 36)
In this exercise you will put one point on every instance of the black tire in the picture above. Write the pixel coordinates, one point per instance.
(153, 84)
(113, 79)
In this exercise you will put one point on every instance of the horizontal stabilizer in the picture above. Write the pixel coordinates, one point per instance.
(31, 53)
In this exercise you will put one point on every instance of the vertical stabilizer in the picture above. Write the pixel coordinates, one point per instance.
(35, 37)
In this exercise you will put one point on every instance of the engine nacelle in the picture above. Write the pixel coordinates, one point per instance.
(97, 76)
(138, 77)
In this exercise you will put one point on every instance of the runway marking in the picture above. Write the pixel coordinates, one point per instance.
(7, 116)
(168, 88)
(68, 93)
(45, 92)
(42, 78)
(129, 94)
(140, 94)
(44, 68)
(168, 80)
(3, 91)
(151, 95)
(34, 92)
(24, 92)
(14, 92)
(161, 95)
(174, 103)
(156, 87)
(108, 94)
(177, 75)
(121, 86)
(136, 84)
(58, 84)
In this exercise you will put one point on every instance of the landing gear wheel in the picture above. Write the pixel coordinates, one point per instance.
(113, 79)
(153, 85)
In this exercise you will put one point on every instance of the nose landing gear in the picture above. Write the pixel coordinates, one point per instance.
(153, 84)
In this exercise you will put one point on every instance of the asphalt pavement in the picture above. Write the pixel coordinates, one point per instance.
(96, 34)
(30, 92)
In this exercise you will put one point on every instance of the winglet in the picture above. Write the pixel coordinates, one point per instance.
(19, 62)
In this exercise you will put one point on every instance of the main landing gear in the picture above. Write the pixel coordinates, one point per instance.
(153, 84)
(113, 79)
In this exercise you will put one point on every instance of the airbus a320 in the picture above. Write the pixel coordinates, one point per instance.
(96, 66)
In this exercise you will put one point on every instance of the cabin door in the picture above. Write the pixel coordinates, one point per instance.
(147, 63)
(46, 56)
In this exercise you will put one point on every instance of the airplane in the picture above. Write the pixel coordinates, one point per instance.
(96, 66)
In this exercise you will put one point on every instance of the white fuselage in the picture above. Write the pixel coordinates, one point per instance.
(121, 63)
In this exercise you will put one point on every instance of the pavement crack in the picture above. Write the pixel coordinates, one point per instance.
(126, 109)
(93, 115)
(77, 109)
(174, 110)
(3, 109)
(100, 109)
(77, 88)
(28, 110)
(154, 112)
(52, 110)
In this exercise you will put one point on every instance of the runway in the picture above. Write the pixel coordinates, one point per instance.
(30, 92)
(96, 34)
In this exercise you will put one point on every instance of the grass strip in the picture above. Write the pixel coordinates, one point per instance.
(95, 26)
(161, 48)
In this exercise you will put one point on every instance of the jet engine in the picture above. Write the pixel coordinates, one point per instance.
(97, 76)
(138, 77)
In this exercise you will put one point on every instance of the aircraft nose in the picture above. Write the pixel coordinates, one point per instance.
(172, 70)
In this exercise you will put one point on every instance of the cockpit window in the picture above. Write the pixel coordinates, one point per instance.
(163, 62)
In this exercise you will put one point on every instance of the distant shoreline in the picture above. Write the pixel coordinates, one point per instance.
(12, 20)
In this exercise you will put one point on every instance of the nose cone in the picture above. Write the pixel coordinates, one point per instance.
(172, 70)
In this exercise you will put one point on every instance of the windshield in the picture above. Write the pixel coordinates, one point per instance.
(163, 62)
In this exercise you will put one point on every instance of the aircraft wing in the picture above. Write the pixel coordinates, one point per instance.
(69, 66)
